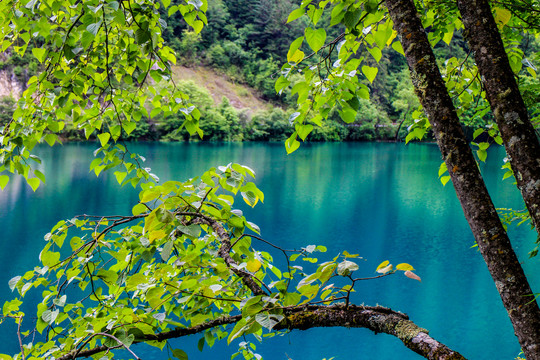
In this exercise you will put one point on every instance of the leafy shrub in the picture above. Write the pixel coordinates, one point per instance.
(198, 95)
(7, 107)
(269, 125)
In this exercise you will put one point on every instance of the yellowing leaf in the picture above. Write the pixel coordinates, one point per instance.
(412, 275)
(296, 57)
(386, 269)
(391, 38)
(502, 16)
(382, 265)
(253, 265)
(156, 234)
(404, 267)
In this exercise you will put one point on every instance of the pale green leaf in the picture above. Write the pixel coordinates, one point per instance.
(104, 138)
(295, 14)
(315, 38)
(370, 72)
(4, 179)
(33, 182)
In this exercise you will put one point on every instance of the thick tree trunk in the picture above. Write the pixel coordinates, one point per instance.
(505, 99)
(479, 211)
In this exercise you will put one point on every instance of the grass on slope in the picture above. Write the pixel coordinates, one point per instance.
(240, 96)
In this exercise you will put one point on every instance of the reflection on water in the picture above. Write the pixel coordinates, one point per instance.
(382, 201)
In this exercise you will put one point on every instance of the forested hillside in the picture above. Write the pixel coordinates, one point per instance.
(242, 49)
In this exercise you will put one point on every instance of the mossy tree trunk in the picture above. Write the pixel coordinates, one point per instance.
(480, 213)
(505, 99)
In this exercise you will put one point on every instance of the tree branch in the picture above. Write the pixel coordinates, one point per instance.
(378, 319)
(225, 249)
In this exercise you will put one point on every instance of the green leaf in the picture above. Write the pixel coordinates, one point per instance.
(295, 14)
(482, 155)
(376, 53)
(180, 354)
(153, 296)
(337, 14)
(445, 179)
(447, 38)
(371, 6)
(167, 249)
(4, 179)
(197, 26)
(293, 49)
(142, 36)
(250, 198)
(315, 38)
(164, 215)
(120, 176)
(94, 28)
(281, 83)
(129, 127)
(396, 45)
(477, 133)
(304, 130)
(351, 18)
(33, 182)
(238, 330)
(252, 306)
(39, 53)
(50, 139)
(348, 115)
(190, 230)
(291, 144)
(370, 72)
(104, 138)
(86, 39)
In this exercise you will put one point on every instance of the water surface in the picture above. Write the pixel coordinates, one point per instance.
(382, 201)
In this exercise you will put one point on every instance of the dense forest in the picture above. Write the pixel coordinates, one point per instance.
(246, 43)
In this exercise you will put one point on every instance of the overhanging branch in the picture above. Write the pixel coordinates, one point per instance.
(375, 318)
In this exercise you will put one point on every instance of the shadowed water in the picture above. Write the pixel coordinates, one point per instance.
(382, 201)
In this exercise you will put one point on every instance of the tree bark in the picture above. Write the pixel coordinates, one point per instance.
(505, 99)
(376, 318)
(480, 213)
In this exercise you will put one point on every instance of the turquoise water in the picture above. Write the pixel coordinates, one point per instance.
(382, 201)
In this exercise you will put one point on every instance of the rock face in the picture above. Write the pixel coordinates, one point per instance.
(9, 85)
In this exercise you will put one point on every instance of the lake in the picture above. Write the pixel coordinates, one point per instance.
(382, 201)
